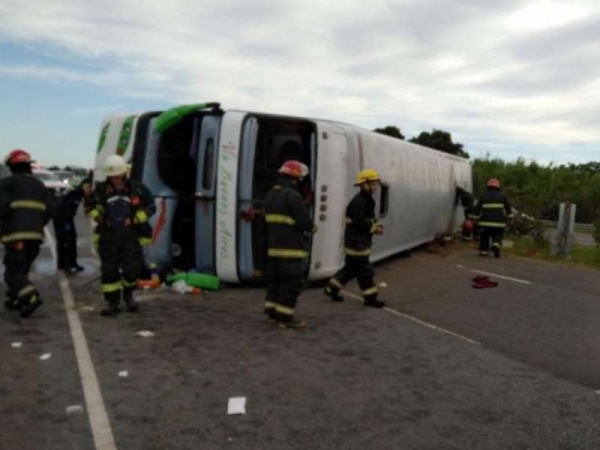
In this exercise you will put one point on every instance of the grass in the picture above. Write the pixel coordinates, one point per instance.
(583, 255)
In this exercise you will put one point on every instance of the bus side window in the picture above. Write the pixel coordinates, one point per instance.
(384, 201)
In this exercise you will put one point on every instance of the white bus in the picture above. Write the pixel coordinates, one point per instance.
(210, 170)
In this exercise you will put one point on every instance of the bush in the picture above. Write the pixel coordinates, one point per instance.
(525, 225)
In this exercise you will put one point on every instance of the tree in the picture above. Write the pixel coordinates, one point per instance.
(440, 140)
(53, 168)
(390, 130)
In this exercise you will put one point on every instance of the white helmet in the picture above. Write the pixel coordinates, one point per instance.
(114, 166)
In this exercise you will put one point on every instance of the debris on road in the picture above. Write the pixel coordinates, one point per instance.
(144, 334)
(236, 405)
(183, 288)
(45, 356)
(383, 284)
(123, 374)
(482, 282)
(74, 409)
(16, 345)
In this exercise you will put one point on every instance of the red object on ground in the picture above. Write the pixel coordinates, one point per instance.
(482, 282)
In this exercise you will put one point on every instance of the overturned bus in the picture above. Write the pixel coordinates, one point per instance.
(210, 170)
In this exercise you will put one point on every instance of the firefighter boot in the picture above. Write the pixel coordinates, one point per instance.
(11, 303)
(130, 303)
(271, 317)
(292, 323)
(29, 305)
(333, 293)
(112, 309)
(373, 302)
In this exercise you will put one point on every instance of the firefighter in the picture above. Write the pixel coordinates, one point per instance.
(288, 224)
(64, 226)
(358, 235)
(492, 210)
(121, 208)
(25, 208)
(467, 201)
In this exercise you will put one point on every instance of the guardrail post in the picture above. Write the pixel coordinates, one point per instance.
(563, 238)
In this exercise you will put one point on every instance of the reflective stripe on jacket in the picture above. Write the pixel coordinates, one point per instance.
(360, 225)
(25, 208)
(492, 209)
(287, 221)
(134, 202)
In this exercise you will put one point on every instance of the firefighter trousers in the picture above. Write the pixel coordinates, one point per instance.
(488, 234)
(18, 257)
(285, 279)
(66, 243)
(122, 262)
(358, 267)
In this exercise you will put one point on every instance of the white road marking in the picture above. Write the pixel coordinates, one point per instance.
(516, 280)
(419, 321)
(101, 429)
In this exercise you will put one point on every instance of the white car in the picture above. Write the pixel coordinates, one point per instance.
(52, 182)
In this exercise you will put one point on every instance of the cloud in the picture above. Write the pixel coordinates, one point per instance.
(471, 67)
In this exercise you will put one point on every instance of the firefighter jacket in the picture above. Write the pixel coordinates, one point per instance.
(287, 221)
(26, 206)
(492, 209)
(111, 208)
(67, 205)
(360, 225)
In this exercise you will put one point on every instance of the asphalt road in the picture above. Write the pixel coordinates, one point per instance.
(445, 366)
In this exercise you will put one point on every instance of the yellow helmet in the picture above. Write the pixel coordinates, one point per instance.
(366, 175)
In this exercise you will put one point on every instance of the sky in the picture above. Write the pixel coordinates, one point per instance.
(510, 79)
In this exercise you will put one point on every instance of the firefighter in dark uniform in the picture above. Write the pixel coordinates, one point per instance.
(467, 201)
(64, 226)
(358, 235)
(25, 208)
(288, 224)
(121, 207)
(492, 210)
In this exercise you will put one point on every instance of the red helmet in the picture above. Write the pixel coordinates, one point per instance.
(468, 226)
(17, 156)
(494, 183)
(294, 169)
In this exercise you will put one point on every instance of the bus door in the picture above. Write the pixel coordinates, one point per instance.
(162, 161)
(267, 142)
(207, 140)
(333, 184)
(144, 169)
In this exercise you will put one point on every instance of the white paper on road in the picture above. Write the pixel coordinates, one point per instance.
(74, 409)
(383, 284)
(45, 356)
(123, 374)
(16, 345)
(145, 334)
(236, 405)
